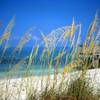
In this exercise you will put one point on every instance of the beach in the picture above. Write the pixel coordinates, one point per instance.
(18, 88)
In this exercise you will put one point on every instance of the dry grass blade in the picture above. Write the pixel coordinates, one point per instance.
(92, 29)
(7, 31)
(75, 50)
(69, 67)
(30, 58)
(36, 49)
(23, 40)
(73, 28)
(72, 41)
(16, 68)
(45, 39)
(6, 35)
(59, 56)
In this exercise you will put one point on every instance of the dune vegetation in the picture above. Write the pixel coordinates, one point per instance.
(63, 51)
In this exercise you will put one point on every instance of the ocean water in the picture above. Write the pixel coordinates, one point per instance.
(35, 70)
(7, 65)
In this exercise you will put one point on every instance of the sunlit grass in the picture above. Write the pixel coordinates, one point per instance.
(57, 88)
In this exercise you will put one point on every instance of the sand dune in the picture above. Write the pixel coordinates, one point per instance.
(17, 89)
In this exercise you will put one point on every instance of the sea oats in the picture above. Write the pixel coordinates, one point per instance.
(59, 56)
(73, 28)
(16, 67)
(69, 67)
(92, 29)
(97, 39)
(75, 50)
(94, 23)
(30, 58)
(67, 33)
(7, 31)
(36, 49)
(45, 39)
(70, 31)
(91, 45)
(72, 41)
(27, 36)
(6, 35)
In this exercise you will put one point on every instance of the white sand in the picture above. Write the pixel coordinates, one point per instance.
(16, 89)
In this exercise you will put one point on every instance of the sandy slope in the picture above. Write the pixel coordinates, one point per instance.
(16, 89)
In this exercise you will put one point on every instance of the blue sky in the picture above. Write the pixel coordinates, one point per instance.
(47, 14)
